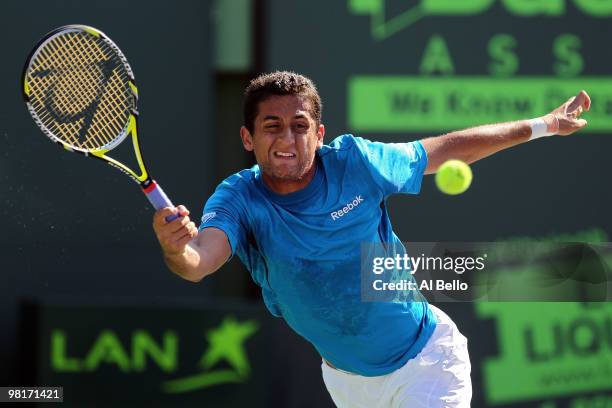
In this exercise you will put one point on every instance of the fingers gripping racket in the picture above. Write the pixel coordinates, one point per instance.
(80, 90)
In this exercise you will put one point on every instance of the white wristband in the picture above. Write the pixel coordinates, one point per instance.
(538, 128)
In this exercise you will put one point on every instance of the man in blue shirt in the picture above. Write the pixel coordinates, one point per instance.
(298, 219)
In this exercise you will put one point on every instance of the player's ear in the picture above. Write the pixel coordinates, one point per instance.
(247, 139)
(320, 135)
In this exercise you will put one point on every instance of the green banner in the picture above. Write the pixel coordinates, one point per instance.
(548, 350)
(418, 104)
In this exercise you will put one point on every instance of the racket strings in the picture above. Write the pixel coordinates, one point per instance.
(73, 86)
(111, 115)
(80, 91)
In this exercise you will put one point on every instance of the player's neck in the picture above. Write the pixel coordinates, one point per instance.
(280, 186)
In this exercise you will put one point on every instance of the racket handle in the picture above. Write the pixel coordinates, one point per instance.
(159, 199)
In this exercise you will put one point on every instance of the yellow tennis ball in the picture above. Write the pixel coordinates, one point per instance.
(453, 177)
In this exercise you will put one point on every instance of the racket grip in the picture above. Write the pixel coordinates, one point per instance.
(159, 199)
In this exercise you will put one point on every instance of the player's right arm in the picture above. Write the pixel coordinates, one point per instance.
(190, 254)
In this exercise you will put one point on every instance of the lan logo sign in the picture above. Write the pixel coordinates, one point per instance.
(225, 343)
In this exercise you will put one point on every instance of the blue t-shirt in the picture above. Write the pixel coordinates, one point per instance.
(303, 250)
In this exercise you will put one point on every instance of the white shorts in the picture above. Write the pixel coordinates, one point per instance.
(439, 376)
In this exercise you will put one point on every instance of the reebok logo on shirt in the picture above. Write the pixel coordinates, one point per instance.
(348, 207)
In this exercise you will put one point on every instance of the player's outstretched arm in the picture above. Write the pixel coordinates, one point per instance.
(187, 253)
(473, 144)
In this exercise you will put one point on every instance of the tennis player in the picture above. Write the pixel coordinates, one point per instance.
(297, 220)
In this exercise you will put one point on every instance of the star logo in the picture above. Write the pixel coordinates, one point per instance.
(225, 343)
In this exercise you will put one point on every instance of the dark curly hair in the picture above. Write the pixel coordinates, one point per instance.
(279, 83)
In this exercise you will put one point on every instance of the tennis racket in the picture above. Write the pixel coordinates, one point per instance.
(80, 91)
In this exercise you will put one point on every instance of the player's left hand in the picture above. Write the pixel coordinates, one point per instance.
(565, 120)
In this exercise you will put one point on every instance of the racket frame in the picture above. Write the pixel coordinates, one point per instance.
(152, 190)
(131, 127)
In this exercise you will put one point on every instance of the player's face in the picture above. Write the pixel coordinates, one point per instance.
(285, 139)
